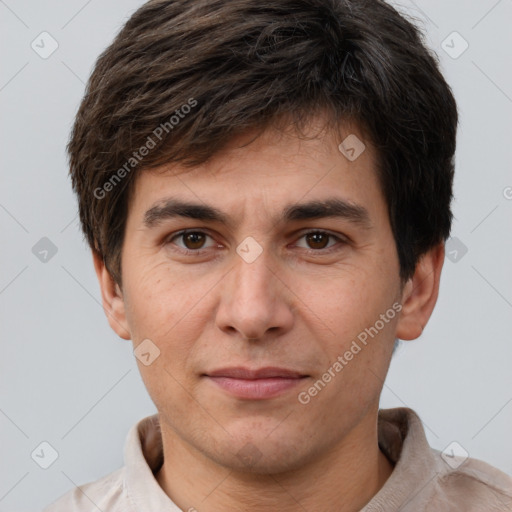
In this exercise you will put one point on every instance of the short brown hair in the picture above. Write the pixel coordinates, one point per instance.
(238, 65)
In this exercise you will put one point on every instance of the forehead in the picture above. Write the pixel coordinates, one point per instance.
(266, 173)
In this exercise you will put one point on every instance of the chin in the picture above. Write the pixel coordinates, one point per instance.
(252, 460)
(260, 454)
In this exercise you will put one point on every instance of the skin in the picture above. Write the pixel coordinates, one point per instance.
(298, 305)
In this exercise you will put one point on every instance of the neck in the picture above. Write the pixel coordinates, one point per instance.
(343, 480)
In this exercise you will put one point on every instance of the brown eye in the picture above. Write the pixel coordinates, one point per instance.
(317, 240)
(193, 240)
(320, 242)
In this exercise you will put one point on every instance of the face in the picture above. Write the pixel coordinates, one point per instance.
(266, 279)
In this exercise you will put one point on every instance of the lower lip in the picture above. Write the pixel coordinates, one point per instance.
(256, 389)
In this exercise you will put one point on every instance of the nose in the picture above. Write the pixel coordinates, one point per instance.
(255, 302)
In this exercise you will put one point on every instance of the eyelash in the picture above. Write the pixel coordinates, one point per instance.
(200, 252)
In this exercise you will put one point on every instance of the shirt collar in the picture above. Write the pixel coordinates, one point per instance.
(402, 439)
(143, 455)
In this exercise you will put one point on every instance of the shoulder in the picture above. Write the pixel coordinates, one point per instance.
(106, 494)
(474, 483)
(426, 480)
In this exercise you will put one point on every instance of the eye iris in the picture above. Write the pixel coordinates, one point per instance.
(194, 240)
(317, 240)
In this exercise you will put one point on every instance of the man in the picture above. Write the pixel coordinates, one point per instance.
(266, 191)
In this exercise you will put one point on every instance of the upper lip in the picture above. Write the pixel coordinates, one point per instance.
(240, 372)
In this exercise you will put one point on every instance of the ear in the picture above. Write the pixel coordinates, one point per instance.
(419, 295)
(112, 298)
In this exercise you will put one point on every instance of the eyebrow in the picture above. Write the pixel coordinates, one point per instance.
(328, 208)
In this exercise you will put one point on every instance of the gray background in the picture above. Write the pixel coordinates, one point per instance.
(65, 378)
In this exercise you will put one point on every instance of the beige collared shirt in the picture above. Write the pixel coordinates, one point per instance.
(423, 480)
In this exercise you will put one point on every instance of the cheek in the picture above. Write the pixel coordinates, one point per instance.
(166, 308)
(158, 297)
(171, 308)
(350, 307)
(346, 301)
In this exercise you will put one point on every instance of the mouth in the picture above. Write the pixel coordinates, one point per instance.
(258, 384)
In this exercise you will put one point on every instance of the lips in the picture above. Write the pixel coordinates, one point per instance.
(257, 384)
(261, 373)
